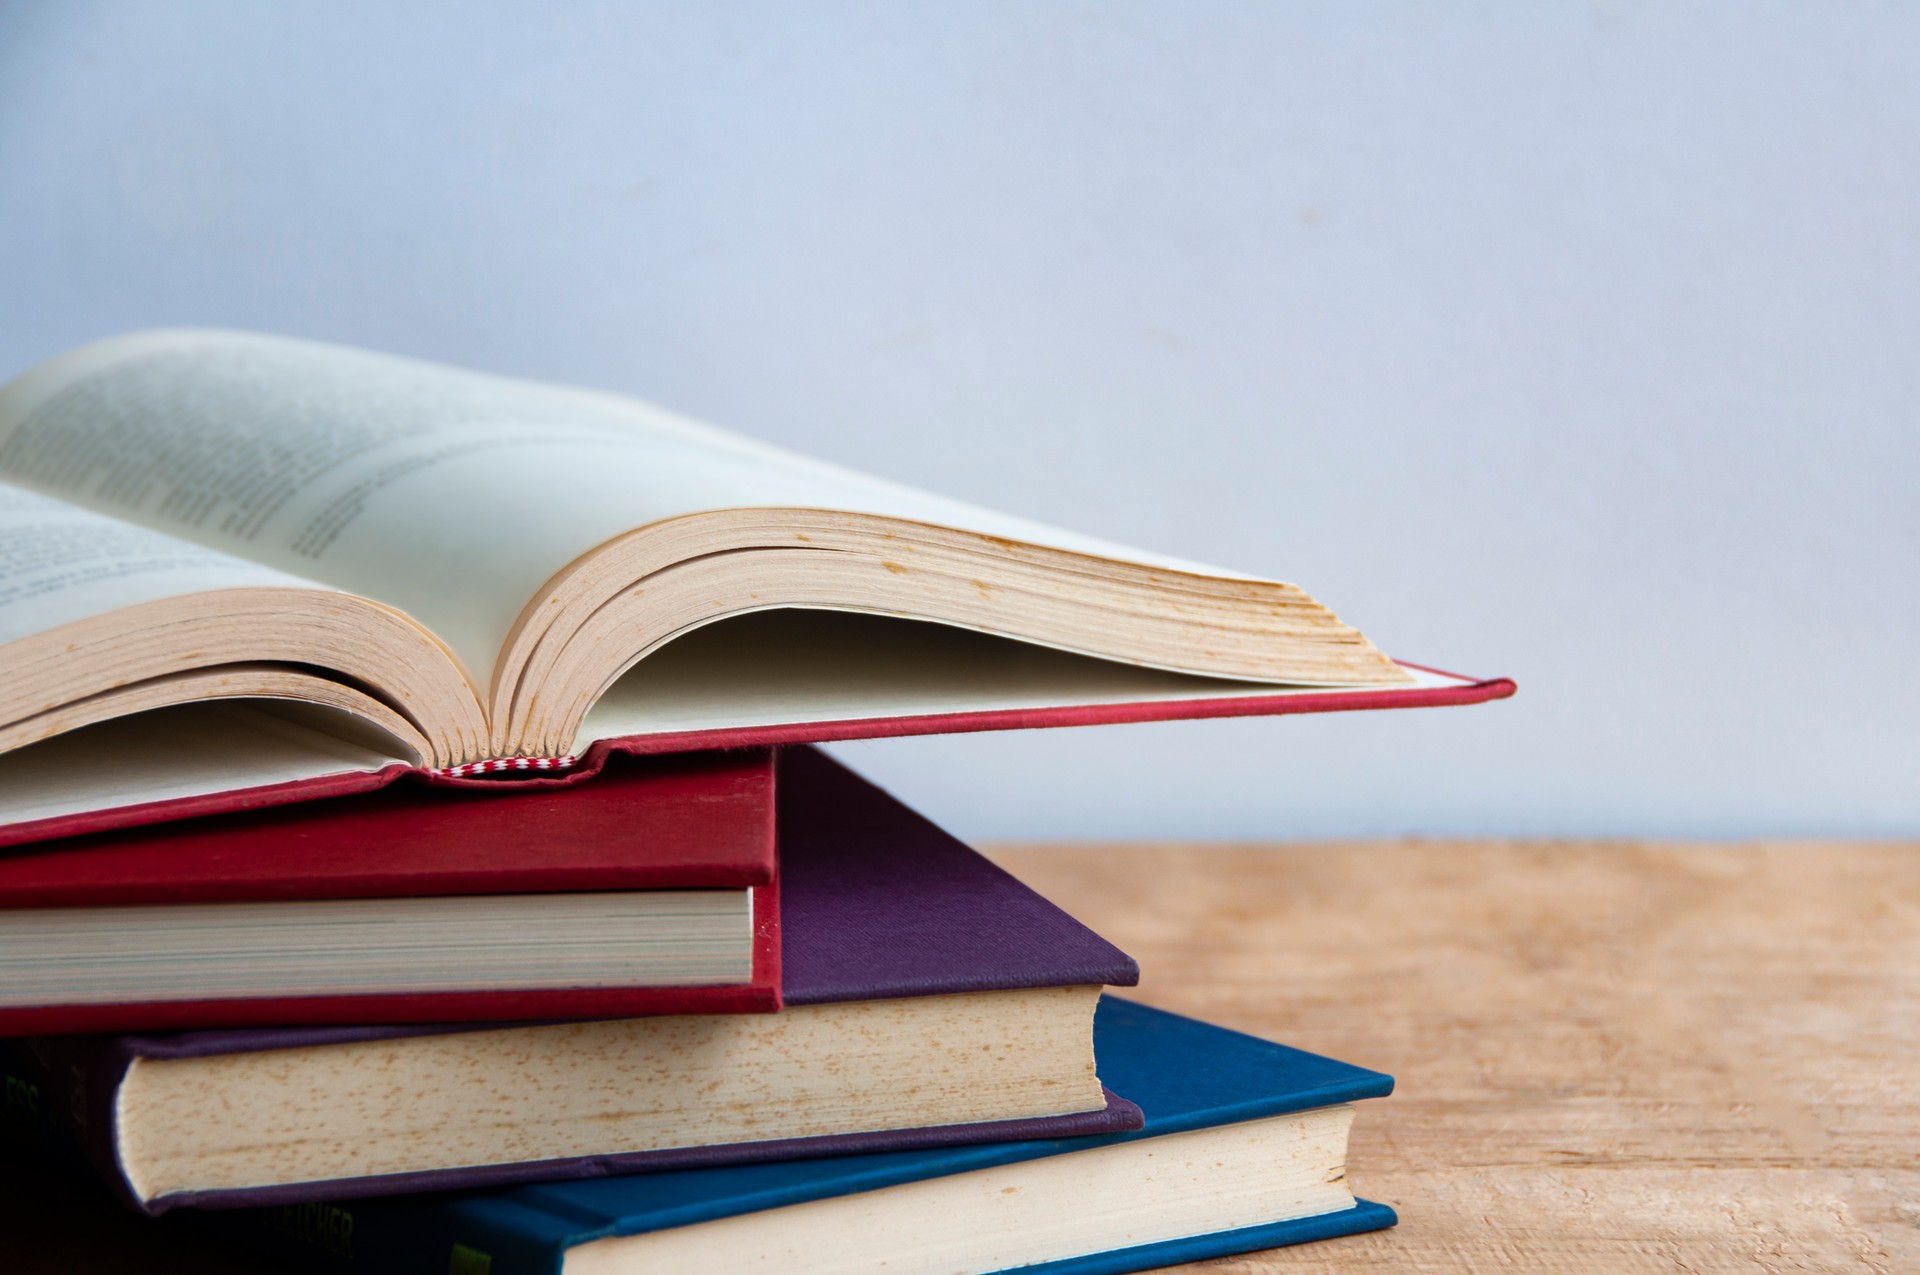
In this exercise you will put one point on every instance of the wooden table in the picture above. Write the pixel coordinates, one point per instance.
(1610, 1057)
(1621, 1057)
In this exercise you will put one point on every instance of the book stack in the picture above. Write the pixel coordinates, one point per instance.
(418, 859)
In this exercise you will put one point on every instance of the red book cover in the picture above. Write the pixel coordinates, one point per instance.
(98, 811)
(696, 821)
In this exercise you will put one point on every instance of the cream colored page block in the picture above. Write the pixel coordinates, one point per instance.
(168, 754)
(785, 667)
(1114, 1197)
(397, 479)
(341, 947)
(60, 563)
(290, 691)
(549, 1092)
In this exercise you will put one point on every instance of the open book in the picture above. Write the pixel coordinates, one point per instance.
(458, 572)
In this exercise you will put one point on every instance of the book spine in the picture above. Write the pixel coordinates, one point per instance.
(379, 1237)
(51, 1101)
(30, 1127)
(59, 1107)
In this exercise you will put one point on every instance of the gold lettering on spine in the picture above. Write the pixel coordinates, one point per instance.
(316, 1225)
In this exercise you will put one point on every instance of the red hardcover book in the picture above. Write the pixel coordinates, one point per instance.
(181, 763)
(651, 891)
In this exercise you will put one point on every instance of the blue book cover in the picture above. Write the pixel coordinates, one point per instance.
(1184, 1075)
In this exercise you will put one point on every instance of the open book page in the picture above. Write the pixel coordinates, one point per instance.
(845, 668)
(451, 495)
(60, 563)
(184, 751)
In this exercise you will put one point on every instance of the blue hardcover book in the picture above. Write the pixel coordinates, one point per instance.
(1244, 1148)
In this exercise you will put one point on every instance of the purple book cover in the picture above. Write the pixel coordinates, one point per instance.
(876, 902)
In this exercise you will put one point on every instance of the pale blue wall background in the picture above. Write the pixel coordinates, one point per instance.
(1579, 343)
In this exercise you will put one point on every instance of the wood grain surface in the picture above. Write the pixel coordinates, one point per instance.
(1611, 1057)
(1618, 1057)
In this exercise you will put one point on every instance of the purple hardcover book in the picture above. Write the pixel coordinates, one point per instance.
(877, 905)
